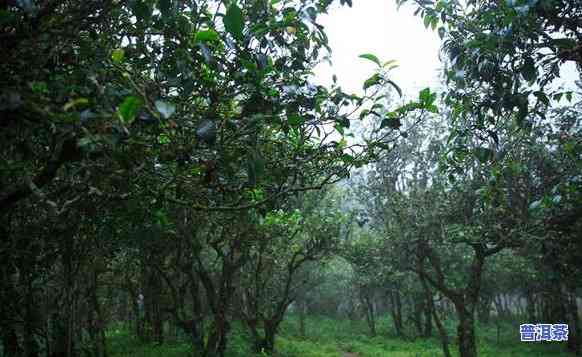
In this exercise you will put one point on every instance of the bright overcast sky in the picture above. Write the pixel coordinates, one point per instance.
(377, 27)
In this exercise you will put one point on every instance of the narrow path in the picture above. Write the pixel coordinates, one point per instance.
(350, 354)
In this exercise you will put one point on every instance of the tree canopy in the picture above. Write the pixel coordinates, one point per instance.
(173, 170)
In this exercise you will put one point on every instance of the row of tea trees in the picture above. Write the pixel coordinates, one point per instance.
(144, 145)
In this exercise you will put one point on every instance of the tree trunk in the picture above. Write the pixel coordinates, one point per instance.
(59, 336)
(444, 337)
(418, 304)
(31, 348)
(440, 327)
(154, 289)
(484, 310)
(396, 311)
(466, 332)
(266, 343)
(216, 345)
(369, 312)
(302, 311)
(530, 307)
(428, 318)
(270, 333)
(136, 306)
(371, 318)
(96, 321)
(10, 342)
(8, 295)
(507, 306)
(197, 324)
(501, 314)
(152, 296)
(574, 338)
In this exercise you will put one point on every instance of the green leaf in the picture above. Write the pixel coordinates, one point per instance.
(424, 94)
(528, 70)
(165, 108)
(86, 141)
(372, 81)
(426, 97)
(343, 121)
(184, 25)
(364, 113)
(118, 55)
(234, 21)
(39, 87)
(564, 43)
(393, 123)
(483, 154)
(391, 64)
(79, 102)
(442, 32)
(347, 158)
(161, 218)
(206, 36)
(372, 58)
(535, 205)
(129, 108)
(427, 21)
(569, 96)
(395, 86)
(165, 7)
(163, 139)
(255, 166)
(141, 10)
(542, 97)
(295, 120)
(259, 163)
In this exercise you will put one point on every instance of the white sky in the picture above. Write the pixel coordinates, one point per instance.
(377, 27)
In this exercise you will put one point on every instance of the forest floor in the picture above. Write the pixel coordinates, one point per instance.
(343, 338)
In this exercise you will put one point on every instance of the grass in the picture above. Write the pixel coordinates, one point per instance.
(333, 338)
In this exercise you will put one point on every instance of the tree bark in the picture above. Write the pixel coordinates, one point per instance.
(31, 348)
(96, 321)
(369, 311)
(270, 333)
(465, 300)
(440, 327)
(396, 311)
(466, 332)
(501, 313)
(8, 295)
(10, 342)
(302, 311)
(428, 307)
(484, 310)
(444, 337)
(574, 338)
(530, 307)
(419, 307)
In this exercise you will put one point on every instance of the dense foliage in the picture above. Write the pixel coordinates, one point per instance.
(170, 171)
